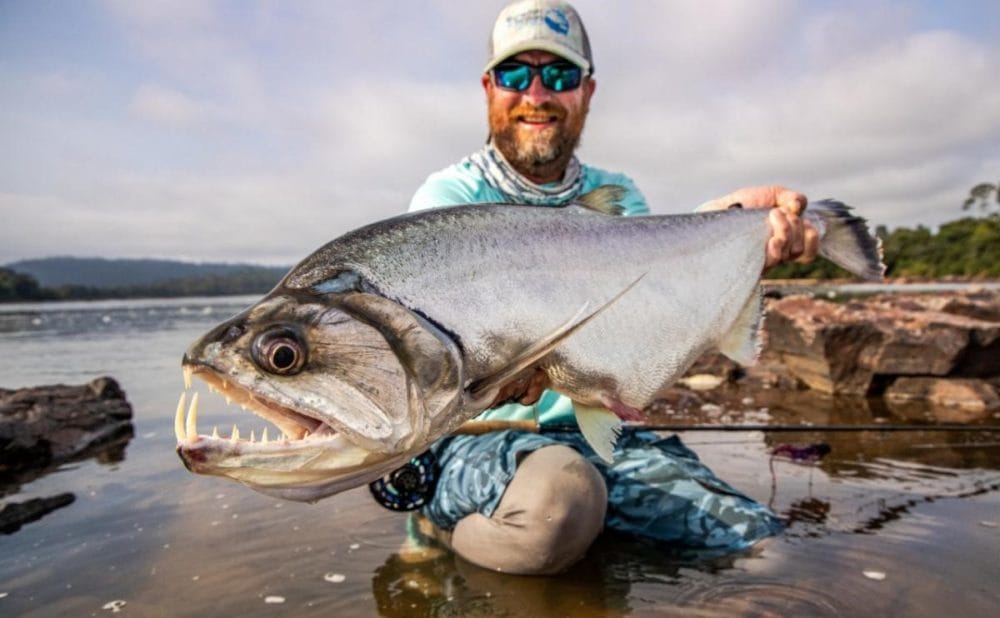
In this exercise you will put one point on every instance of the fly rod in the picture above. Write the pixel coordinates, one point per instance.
(482, 427)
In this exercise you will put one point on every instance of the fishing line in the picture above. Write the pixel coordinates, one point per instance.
(965, 445)
(786, 428)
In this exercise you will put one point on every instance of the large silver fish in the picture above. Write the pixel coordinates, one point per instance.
(393, 335)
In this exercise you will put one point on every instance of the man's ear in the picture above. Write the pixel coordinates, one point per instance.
(487, 83)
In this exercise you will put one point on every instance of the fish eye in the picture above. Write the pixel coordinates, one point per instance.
(280, 351)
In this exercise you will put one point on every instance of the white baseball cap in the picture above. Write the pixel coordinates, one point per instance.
(546, 25)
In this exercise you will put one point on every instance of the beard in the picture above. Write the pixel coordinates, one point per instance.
(537, 154)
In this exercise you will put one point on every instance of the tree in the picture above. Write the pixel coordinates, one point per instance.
(18, 286)
(981, 194)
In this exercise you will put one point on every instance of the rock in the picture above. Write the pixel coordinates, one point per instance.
(858, 347)
(13, 515)
(952, 400)
(46, 426)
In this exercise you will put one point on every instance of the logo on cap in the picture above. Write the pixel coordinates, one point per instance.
(557, 21)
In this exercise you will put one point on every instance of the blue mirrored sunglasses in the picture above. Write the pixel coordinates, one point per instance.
(558, 76)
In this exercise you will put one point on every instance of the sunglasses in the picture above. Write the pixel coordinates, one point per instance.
(558, 76)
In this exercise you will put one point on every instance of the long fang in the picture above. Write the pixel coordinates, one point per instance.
(179, 420)
(192, 419)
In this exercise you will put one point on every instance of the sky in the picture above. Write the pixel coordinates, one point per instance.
(256, 131)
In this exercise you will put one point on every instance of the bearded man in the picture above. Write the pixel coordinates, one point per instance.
(529, 503)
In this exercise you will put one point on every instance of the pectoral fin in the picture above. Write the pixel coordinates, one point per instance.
(486, 387)
(605, 199)
(601, 427)
(742, 342)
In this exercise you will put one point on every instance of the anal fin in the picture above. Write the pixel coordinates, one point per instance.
(601, 427)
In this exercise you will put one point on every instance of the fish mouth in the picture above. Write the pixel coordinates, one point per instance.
(308, 462)
(293, 426)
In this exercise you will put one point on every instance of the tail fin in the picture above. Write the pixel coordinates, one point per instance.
(845, 240)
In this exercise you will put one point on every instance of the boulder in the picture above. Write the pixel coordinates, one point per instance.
(954, 400)
(862, 346)
(46, 426)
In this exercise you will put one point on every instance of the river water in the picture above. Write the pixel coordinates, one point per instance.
(903, 524)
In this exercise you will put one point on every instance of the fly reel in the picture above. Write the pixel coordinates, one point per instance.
(408, 487)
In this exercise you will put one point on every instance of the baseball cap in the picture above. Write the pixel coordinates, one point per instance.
(547, 25)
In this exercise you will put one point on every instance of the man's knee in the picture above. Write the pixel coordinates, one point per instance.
(551, 512)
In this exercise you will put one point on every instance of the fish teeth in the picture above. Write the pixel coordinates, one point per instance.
(253, 438)
(215, 433)
(263, 437)
(179, 420)
(192, 419)
(235, 437)
(187, 376)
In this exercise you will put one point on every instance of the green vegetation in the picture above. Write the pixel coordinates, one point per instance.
(17, 286)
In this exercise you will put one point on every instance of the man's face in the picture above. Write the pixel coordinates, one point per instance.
(537, 130)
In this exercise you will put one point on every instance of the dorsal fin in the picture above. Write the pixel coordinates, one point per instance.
(605, 199)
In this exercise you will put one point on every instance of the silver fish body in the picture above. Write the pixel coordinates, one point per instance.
(391, 336)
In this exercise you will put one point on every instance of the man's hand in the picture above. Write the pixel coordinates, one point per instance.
(790, 238)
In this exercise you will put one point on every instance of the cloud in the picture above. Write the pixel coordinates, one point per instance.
(918, 105)
(258, 131)
(162, 105)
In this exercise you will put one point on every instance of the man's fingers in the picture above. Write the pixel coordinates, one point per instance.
(796, 236)
(810, 242)
(767, 196)
(778, 241)
(792, 202)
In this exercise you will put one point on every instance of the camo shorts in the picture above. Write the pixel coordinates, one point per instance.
(657, 488)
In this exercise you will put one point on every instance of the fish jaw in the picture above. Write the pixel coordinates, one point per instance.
(302, 464)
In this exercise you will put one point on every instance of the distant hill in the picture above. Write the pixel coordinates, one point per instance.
(99, 273)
